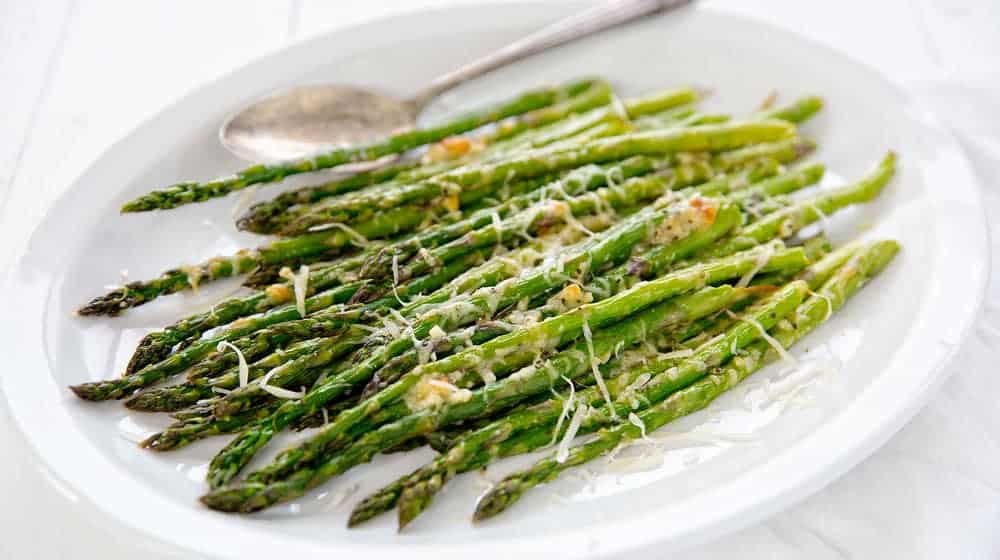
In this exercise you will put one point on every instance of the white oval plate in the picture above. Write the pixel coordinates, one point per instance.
(893, 340)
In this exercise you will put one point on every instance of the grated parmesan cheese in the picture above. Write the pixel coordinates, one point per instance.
(433, 392)
(353, 234)
(300, 285)
(243, 202)
(765, 255)
(767, 338)
(829, 303)
(594, 363)
(395, 279)
(194, 275)
(279, 392)
(562, 452)
(634, 419)
(437, 333)
(243, 368)
(567, 406)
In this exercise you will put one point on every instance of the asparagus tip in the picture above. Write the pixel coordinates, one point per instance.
(94, 391)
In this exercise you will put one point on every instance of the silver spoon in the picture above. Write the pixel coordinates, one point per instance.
(308, 119)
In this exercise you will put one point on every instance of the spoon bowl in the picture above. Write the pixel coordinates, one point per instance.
(309, 119)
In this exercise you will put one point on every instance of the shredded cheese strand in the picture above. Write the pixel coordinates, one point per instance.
(243, 202)
(244, 369)
(619, 109)
(300, 285)
(829, 303)
(634, 419)
(279, 392)
(567, 406)
(395, 279)
(765, 255)
(355, 235)
(562, 452)
(498, 227)
(588, 336)
(767, 338)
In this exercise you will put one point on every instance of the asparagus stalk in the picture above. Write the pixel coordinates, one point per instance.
(797, 112)
(175, 396)
(260, 217)
(717, 137)
(179, 361)
(276, 335)
(592, 254)
(503, 437)
(537, 337)
(188, 192)
(270, 216)
(787, 222)
(156, 346)
(253, 495)
(331, 241)
(815, 310)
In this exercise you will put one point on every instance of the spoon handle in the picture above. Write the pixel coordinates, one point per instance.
(606, 15)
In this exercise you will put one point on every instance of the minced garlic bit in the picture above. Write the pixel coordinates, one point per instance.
(454, 147)
(431, 392)
(278, 293)
(696, 215)
(570, 297)
(194, 275)
(451, 202)
(437, 333)
(244, 369)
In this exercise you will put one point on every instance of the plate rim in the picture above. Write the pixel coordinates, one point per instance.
(795, 489)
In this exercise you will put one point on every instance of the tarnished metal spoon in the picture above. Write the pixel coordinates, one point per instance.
(309, 119)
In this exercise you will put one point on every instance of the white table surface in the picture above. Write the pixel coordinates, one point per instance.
(78, 74)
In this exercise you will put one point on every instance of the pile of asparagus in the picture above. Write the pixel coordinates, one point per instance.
(562, 264)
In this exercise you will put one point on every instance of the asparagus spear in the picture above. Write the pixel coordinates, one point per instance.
(716, 137)
(259, 218)
(531, 381)
(542, 335)
(491, 441)
(797, 112)
(177, 362)
(592, 253)
(253, 495)
(332, 241)
(188, 192)
(276, 335)
(868, 263)
(185, 394)
(155, 345)
(267, 217)
(200, 385)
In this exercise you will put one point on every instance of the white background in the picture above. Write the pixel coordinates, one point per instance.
(79, 74)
